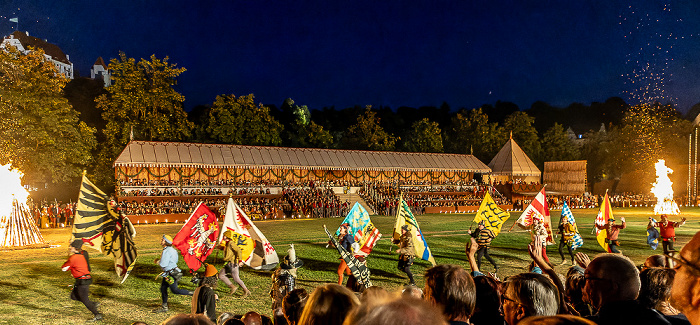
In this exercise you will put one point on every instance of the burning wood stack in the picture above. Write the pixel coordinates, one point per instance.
(663, 190)
(19, 228)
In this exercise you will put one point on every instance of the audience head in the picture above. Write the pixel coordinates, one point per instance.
(328, 304)
(412, 291)
(655, 261)
(252, 318)
(611, 277)
(656, 286)
(187, 319)
(223, 318)
(451, 288)
(685, 293)
(557, 320)
(293, 304)
(528, 294)
(487, 309)
(398, 312)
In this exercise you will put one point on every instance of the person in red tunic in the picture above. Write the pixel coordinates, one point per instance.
(79, 266)
(667, 231)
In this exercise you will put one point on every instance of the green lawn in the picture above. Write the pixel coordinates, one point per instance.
(33, 290)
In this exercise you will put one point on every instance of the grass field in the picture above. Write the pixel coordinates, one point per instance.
(33, 290)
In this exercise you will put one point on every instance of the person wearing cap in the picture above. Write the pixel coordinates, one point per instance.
(406, 253)
(284, 280)
(232, 257)
(613, 232)
(483, 237)
(79, 265)
(204, 298)
(171, 273)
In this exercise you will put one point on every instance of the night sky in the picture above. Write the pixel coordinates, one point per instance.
(390, 53)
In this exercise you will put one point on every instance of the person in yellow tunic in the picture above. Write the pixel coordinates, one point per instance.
(406, 253)
(567, 232)
(232, 257)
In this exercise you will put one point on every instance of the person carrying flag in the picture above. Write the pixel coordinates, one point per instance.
(667, 231)
(613, 231)
(567, 232)
(406, 253)
(232, 257)
(79, 265)
(483, 237)
(171, 273)
(346, 240)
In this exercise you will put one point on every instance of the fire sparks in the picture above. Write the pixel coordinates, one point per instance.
(663, 190)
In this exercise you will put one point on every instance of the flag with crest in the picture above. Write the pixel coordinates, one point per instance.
(538, 209)
(573, 233)
(197, 237)
(263, 255)
(359, 270)
(361, 227)
(604, 214)
(100, 226)
(404, 216)
(491, 214)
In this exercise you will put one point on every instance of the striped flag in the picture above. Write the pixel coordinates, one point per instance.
(491, 214)
(197, 237)
(264, 255)
(576, 239)
(604, 214)
(104, 229)
(405, 216)
(538, 209)
(365, 233)
(359, 270)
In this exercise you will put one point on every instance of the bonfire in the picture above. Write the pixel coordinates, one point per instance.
(17, 227)
(663, 190)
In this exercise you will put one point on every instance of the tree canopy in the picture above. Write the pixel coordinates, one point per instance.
(238, 120)
(368, 134)
(40, 133)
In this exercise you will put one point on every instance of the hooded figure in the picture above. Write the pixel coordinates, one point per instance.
(284, 278)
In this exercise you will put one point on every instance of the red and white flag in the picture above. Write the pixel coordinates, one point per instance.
(538, 209)
(263, 255)
(197, 238)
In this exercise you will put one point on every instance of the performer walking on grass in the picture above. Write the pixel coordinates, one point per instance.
(171, 273)
(483, 237)
(232, 257)
(667, 231)
(567, 232)
(613, 232)
(406, 253)
(346, 240)
(79, 265)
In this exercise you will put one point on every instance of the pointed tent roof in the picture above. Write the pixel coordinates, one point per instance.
(512, 160)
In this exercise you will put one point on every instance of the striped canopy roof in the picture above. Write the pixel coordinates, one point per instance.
(512, 160)
(178, 154)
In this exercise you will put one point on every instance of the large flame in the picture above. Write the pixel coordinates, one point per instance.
(663, 190)
(11, 189)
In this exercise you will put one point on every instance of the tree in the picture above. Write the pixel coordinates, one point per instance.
(237, 120)
(367, 134)
(142, 100)
(303, 132)
(425, 136)
(40, 133)
(557, 145)
(472, 133)
(525, 134)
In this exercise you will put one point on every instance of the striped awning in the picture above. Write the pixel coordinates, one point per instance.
(202, 155)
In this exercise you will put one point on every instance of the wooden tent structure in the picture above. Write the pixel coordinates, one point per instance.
(175, 161)
(18, 229)
(512, 163)
(565, 177)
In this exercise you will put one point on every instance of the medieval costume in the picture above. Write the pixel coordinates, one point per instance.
(204, 297)
(171, 273)
(232, 257)
(79, 265)
(406, 253)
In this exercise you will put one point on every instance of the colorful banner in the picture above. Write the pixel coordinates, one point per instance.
(405, 216)
(362, 229)
(604, 214)
(577, 240)
(538, 209)
(197, 238)
(264, 255)
(491, 214)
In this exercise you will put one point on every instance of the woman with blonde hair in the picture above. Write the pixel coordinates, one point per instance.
(329, 304)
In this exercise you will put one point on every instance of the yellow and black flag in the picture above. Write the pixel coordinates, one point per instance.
(103, 229)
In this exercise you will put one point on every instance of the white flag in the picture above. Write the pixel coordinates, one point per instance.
(14, 20)
(264, 255)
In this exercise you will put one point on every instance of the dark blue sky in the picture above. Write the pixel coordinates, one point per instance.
(390, 53)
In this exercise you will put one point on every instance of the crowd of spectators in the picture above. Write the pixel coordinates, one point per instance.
(317, 202)
(608, 289)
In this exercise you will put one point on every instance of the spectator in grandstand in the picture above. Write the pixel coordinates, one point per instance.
(329, 304)
(612, 286)
(686, 285)
(667, 231)
(452, 290)
(613, 231)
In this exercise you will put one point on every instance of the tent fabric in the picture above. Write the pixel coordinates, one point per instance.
(179, 154)
(512, 160)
